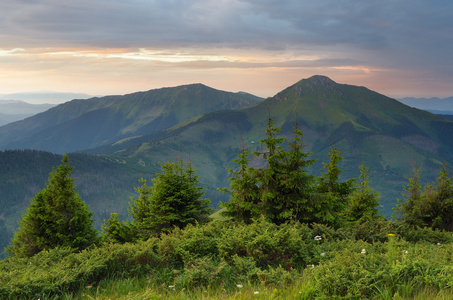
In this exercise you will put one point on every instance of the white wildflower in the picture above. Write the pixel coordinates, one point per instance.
(363, 251)
(318, 238)
(171, 286)
(406, 252)
(438, 244)
(256, 293)
(322, 254)
(312, 266)
(239, 286)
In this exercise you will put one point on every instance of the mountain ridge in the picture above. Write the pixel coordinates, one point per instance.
(97, 121)
(365, 125)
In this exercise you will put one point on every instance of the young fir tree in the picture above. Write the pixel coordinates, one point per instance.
(287, 187)
(244, 204)
(409, 210)
(437, 208)
(332, 195)
(364, 201)
(173, 200)
(280, 190)
(55, 217)
(116, 231)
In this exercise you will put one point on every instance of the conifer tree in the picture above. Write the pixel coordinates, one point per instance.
(281, 190)
(116, 231)
(332, 195)
(55, 217)
(244, 204)
(437, 208)
(364, 201)
(409, 209)
(173, 200)
(286, 185)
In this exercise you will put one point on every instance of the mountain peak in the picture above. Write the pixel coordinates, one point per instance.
(314, 84)
(321, 80)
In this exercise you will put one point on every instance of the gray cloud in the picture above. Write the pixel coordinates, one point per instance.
(248, 23)
(411, 35)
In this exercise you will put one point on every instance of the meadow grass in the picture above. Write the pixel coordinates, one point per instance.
(237, 261)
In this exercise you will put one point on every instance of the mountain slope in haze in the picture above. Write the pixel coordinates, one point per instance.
(84, 124)
(388, 136)
(53, 98)
(441, 106)
(16, 110)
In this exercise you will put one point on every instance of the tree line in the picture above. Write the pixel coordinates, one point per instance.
(280, 191)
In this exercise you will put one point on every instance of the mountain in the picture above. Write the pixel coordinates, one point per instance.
(366, 126)
(15, 110)
(82, 124)
(44, 97)
(388, 136)
(441, 106)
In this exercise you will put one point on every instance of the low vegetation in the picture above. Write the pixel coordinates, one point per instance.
(232, 259)
(285, 234)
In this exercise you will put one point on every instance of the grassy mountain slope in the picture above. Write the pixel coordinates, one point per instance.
(389, 136)
(16, 110)
(83, 124)
(366, 126)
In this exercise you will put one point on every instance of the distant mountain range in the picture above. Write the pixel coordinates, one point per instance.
(440, 106)
(130, 134)
(44, 97)
(83, 124)
(15, 110)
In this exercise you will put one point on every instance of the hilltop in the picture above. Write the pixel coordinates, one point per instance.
(83, 124)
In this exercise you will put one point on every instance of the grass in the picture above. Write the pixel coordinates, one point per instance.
(140, 288)
(225, 260)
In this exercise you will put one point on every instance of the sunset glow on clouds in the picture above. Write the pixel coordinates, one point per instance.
(398, 48)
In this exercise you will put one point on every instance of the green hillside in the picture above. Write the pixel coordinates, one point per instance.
(366, 126)
(84, 124)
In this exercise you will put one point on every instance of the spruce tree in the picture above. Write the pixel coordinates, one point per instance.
(286, 184)
(244, 204)
(437, 208)
(56, 217)
(364, 201)
(409, 210)
(332, 195)
(280, 190)
(174, 199)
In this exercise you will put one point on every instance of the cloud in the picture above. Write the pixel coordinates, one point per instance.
(399, 36)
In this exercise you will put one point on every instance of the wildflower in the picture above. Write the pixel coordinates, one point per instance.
(312, 266)
(318, 238)
(256, 293)
(322, 254)
(363, 251)
(438, 244)
(406, 252)
(171, 286)
(391, 235)
(239, 286)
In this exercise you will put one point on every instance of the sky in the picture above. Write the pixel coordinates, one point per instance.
(399, 48)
